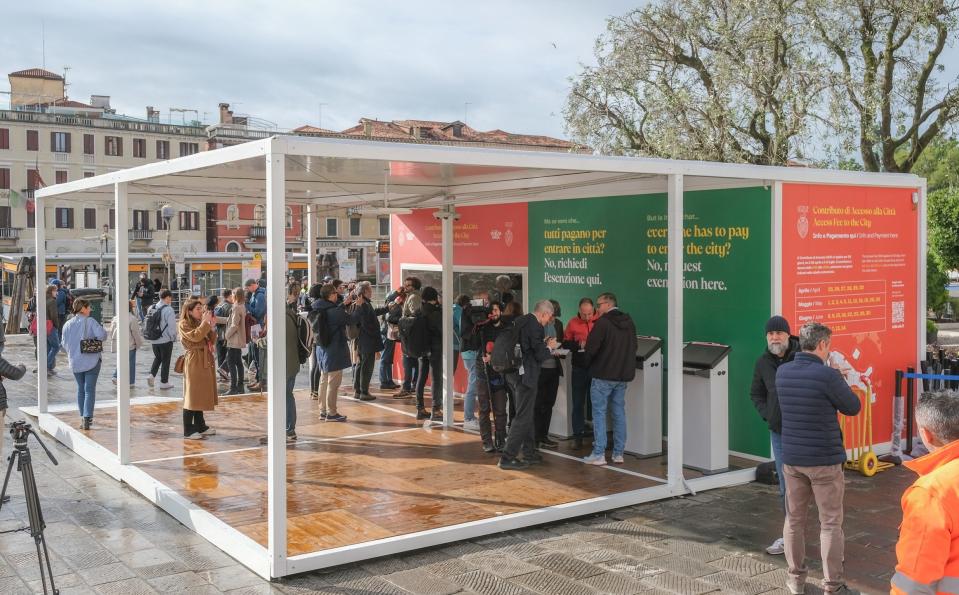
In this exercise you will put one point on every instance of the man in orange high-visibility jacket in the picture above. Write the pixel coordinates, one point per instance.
(928, 548)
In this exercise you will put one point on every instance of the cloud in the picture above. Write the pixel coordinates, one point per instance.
(279, 60)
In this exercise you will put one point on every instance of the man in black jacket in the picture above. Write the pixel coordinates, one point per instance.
(781, 347)
(364, 315)
(434, 319)
(611, 357)
(535, 348)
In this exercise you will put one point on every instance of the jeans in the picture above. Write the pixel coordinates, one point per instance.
(469, 400)
(580, 381)
(363, 373)
(162, 353)
(386, 363)
(87, 390)
(221, 350)
(133, 366)
(522, 429)
(777, 439)
(545, 400)
(193, 422)
(430, 369)
(608, 394)
(411, 368)
(826, 486)
(234, 364)
(492, 399)
(290, 404)
(53, 347)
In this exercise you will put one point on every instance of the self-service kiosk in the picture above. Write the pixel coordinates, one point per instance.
(644, 400)
(705, 407)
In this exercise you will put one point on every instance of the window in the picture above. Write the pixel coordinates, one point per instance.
(233, 217)
(331, 231)
(259, 215)
(141, 220)
(60, 176)
(89, 218)
(140, 147)
(64, 218)
(60, 142)
(161, 222)
(190, 220)
(5, 217)
(4, 178)
(189, 148)
(384, 226)
(289, 218)
(232, 247)
(355, 226)
(356, 255)
(163, 149)
(33, 140)
(88, 144)
(113, 219)
(113, 146)
(4, 138)
(88, 174)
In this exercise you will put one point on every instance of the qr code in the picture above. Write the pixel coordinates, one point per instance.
(898, 312)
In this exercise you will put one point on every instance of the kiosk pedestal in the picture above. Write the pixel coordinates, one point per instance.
(706, 407)
(644, 400)
(561, 424)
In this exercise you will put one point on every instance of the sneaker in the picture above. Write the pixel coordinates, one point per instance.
(533, 459)
(336, 417)
(87, 423)
(209, 432)
(194, 436)
(777, 548)
(512, 464)
(436, 416)
(592, 459)
(315, 396)
(422, 414)
(472, 424)
(165, 385)
(403, 394)
(291, 436)
(390, 386)
(366, 397)
(488, 446)
(843, 590)
(618, 459)
(323, 415)
(151, 380)
(548, 444)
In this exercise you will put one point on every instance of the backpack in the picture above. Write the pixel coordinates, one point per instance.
(304, 337)
(152, 330)
(506, 355)
(415, 335)
(352, 329)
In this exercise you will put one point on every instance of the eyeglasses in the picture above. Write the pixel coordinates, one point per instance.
(602, 303)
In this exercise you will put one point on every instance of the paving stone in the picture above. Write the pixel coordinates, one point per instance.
(523, 551)
(343, 574)
(677, 583)
(502, 566)
(425, 557)
(132, 586)
(121, 541)
(421, 583)
(371, 584)
(682, 565)
(177, 583)
(697, 551)
(153, 563)
(630, 548)
(567, 566)
(600, 555)
(448, 568)
(204, 557)
(550, 583)
(743, 565)
(730, 582)
(262, 589)
(106, 574)
(776, 578)
(28, 568)
(636, 531)
(484, 583)
(231, 577)
(567, 545)
(13, 584)
(90, 559)
(631, 566)
(615, 583)
(496, 541)
(462, 548)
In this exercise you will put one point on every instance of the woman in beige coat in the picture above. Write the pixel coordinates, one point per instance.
(236, 341)
(197, 329)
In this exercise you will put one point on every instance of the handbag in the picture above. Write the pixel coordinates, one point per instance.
(179, 364)
(90, 345)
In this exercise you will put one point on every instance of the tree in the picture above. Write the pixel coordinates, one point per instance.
(719, 80)
(939, 164)
(936, 281)
(885, 96)
(943, 218)
(757, 80)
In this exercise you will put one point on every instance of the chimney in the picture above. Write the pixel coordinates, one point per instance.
(226, 116)
(153, 115)
(101, 101)
(367, 128)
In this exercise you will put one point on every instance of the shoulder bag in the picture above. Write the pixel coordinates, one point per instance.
(89, 345)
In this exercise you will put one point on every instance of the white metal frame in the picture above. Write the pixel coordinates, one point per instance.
(273, 560)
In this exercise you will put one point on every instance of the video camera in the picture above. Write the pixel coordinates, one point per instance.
(477, 312)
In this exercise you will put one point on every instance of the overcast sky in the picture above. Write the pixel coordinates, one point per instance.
(279, 60)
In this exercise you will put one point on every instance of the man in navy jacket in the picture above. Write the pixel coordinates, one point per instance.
(810, 394)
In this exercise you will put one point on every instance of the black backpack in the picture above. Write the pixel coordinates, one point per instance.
(152, 330)
(415, 335)
(506, 355)
(303, 338)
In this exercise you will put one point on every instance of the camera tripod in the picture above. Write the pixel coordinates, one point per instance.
(20, 431)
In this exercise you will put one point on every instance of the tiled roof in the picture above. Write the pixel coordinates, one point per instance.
(37, 73)
(71, 103)
(307, 129)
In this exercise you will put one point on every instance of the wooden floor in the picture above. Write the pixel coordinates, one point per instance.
(378, 475)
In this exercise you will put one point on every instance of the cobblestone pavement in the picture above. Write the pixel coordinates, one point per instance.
(105, 538)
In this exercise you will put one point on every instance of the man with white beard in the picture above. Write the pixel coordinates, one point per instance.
(781, 346)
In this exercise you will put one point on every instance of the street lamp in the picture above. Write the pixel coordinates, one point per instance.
(104, 248)
(166, 211)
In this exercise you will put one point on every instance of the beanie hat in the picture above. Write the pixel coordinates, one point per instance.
(430, 295)
(261, 282)
(777, 323)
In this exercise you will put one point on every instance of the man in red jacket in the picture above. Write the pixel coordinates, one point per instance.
(928, 550)
(576, 333)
